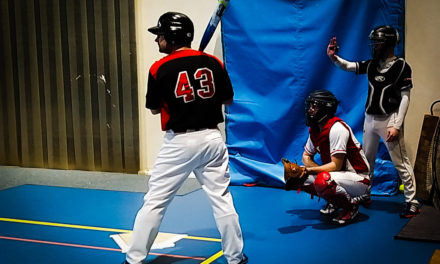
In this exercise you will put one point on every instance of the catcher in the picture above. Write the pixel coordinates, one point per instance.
(343, 178)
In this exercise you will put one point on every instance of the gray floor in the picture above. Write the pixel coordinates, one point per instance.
(16, 176)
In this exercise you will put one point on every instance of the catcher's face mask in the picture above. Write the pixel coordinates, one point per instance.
(318, 106)
(315, 112)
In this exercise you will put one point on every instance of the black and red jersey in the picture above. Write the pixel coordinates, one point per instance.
(189, 87)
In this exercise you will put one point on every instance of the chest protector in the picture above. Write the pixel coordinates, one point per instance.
(321, 141)
(383, 93)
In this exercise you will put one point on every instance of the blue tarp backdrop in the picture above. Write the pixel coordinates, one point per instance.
(275, 52)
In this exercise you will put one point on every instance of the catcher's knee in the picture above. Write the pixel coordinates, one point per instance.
(324, 185)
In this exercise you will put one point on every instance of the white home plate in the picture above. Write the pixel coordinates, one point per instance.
(163, 240)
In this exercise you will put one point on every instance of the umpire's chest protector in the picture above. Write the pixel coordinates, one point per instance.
(385, 87)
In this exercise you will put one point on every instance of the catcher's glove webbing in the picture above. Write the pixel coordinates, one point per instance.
(294, 175)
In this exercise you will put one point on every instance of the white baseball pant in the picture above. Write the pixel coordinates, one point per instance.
(348, 182)
(375, 127)
(204, 153)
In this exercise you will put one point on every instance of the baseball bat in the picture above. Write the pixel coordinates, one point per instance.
(213, 22)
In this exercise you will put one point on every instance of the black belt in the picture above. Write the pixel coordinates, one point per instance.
(188, 130)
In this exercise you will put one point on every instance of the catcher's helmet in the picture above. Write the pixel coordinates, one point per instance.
(320, 105)
(176, 27)
(385, 34)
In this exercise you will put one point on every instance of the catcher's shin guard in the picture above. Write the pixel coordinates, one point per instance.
(340, 200)
(326, 188)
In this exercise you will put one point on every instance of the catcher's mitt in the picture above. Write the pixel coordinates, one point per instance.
(294, 175)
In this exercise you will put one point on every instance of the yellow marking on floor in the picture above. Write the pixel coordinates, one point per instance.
(64, 225)
(204, 238)
(22, 221)
(213, 257)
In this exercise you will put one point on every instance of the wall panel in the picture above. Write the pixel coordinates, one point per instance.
(68, 85)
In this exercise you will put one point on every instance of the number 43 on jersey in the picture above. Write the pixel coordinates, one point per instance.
(185, 89)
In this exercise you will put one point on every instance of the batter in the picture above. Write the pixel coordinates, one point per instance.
(187, 88)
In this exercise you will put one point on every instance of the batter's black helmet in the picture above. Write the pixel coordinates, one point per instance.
(385, 34)
(177, 28)
(324, 102)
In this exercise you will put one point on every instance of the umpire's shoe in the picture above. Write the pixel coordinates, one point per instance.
(409, 210)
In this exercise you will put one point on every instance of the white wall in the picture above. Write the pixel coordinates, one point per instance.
(147, 14)
(423, 54)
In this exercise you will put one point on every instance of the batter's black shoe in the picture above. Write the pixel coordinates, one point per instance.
(409, 210)
(244, 260)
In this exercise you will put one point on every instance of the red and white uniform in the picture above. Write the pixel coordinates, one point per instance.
(337, 137)
(189, 87)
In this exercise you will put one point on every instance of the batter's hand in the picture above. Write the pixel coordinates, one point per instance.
(392, 134)
(332, 48)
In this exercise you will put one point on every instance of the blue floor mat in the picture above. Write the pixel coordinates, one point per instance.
(286, 227)
(278, 227)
